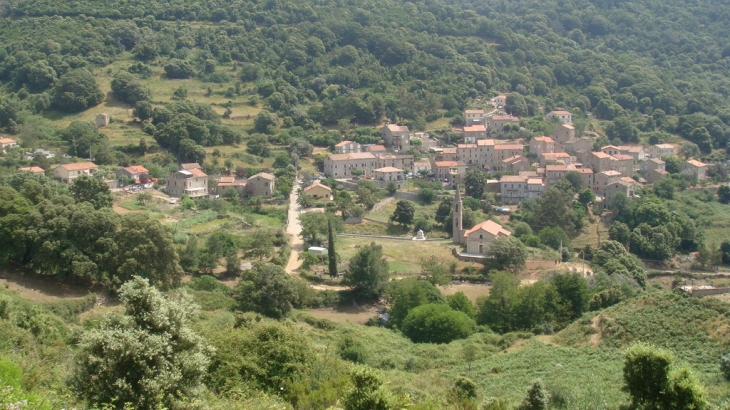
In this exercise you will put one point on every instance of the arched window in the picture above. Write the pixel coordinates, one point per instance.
(481, 236)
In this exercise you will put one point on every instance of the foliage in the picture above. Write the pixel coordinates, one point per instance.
(404, 213)
(76, 91)
(436, 323)
(367, 272)
(367, 391)
(459, 302)
(475, 182)
(537, 398)
(93, 190)
(406, 294)
(153, 338)
(331, 252)
(126, 88)
(653, 383)
(508, 253)
(267, 289)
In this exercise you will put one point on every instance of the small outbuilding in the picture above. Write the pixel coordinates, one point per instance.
(318, 250)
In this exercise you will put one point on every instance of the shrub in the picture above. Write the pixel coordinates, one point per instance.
(725, 366)
(207, 283)
(465, 388)
(352, 350)
(437, 323)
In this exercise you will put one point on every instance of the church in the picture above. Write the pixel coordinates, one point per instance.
(479, 237)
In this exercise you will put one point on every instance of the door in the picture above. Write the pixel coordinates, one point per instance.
(481, 249)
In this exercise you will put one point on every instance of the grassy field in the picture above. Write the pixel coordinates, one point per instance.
(403, 256)
(712, 217)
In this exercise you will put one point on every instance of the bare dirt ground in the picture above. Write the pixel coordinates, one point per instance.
(37, 287)
(471, 290)
(347, 314)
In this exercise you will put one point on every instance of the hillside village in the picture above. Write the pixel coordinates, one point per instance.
(364, 205)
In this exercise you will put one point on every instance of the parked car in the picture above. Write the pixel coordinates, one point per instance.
(173, 200)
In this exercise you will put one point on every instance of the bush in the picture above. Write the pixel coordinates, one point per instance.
(437, 323)
(465, 388)
(69, 309)
(352, 350)
(207, 283)
(725, 366)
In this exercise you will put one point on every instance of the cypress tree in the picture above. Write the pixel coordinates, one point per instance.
(331, 255)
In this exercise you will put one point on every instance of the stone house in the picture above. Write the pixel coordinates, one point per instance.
(694, 167)
(603, 179)
(500, 100)
(449, 154)
(515, 164)
(341, 165)
(513, 189)
(600, 161)
(449, 171)
(377, 150)
(102, 120)
(404, 162)
(575, 144)
(67, 173)
(261, 184)
(318, 191)
(468, 153)
(504, 151)
(564, 116)
(615, 187)
(419, 165)
(636, 151)
(554, 172)
(193, 182)
(229, 182)
(474, 117)
(385, 175)
(496, 123)
(535, 188)
(655, 170)
(472, 133)
(661, 150)
(397, 137)
(624, 164)
(478, 238)
(347, 147)
(611, 150)
(542, 145)
(563, 133)
(555, 158)
(588, 177)
(190, 165)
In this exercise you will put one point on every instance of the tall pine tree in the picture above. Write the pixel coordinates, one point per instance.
(331, 254)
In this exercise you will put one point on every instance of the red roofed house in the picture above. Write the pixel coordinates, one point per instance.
(563, 133)
(377, 150)
(449, 171)
(472, 133)
(68, 172)
(35, 170)
(193, 182)
(229, 182)
(385, 175)
(138, 173)
(318, 191)
(514, 188)
(7, 143)
(479, 237)
(694, 167)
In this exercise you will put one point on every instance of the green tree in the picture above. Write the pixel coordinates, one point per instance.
(475, 182)
(654, 382)
(259, 244)
(331, 252)
(406, 294)
(316, 225)
(555, 238)
(723, 194)
(265, 122)
(367, 391)
(689, 150)
(426, 195)
(126, 88)
(508, 253)
(664, 188)
(76, 91)
(437, 323)
(93, 190)
(459, 302)
(404, 213)
(258, 144)
(575, 179)
(573, 296)
(267, 289)
(586, 196)
(147, 357)
(435, 270)
(176, 68)
(367, 272)
(537, 398)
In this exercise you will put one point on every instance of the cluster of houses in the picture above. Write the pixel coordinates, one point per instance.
(534, 167)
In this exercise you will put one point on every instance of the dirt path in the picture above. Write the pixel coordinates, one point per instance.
(38, 288)
(381, 204)
(596, 337)
(293, 229)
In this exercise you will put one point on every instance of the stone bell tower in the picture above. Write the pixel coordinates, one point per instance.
(456, 210)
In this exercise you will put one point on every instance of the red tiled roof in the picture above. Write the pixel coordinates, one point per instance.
(79, 166)
(318, 185)
(491, 227)
(446, 163)
(34, 169)
(197, 172)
